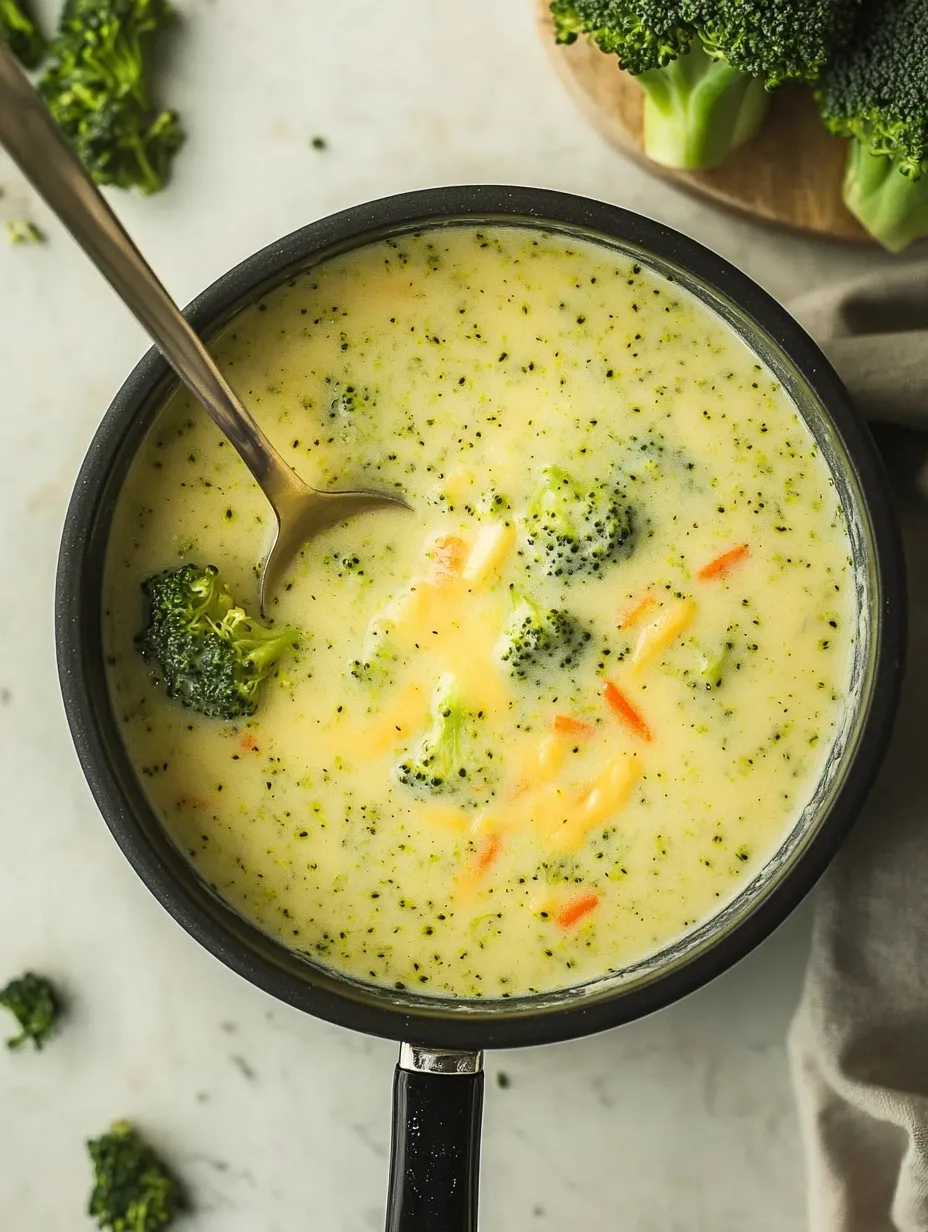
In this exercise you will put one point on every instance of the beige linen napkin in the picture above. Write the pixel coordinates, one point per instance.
(859, 1042)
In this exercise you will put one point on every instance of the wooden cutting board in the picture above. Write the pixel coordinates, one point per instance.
(790, 173)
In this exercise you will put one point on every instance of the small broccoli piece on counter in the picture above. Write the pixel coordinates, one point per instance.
(210, 654)
(21, 231)
(875, 91)
(20, 32)
(569, 529)
(706, 66)
(536, 640)
(447, 758)
(97, 90)
(133, 1190)
(34, 1003)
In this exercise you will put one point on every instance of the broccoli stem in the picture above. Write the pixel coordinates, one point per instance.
(697, 109)
(891, 205)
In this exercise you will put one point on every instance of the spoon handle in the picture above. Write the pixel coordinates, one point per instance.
(33, 140)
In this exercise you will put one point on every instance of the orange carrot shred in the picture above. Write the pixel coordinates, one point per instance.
(485, 854)
(623, 709)
(448, 554)
(724, 563)
(633, 614)
(248, 742)
(577, 908)
(566, 725)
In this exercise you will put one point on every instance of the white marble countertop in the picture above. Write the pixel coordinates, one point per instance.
(679, 1123)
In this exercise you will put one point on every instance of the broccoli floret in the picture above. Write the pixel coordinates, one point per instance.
(774, 40)
(20, 33)
(569, 529)
(133, 1190)
(875, 91)
(536, 640)
(21, 231)
(705, 66)
(644, 34)
(210, 654)
(36, 1006)
(96, 88)
(447, 759)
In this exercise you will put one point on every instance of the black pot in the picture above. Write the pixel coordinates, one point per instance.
(438, 1091)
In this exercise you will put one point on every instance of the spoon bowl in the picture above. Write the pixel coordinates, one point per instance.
(302, 513)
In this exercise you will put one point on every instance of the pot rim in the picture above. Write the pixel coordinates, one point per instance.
(78, 626)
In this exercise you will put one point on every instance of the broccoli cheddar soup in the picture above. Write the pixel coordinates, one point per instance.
(558, 713)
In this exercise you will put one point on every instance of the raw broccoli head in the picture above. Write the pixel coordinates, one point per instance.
(447, 759)
(646, 34)
(875, 91)
(35, 1005)
(97, 91)
(571, 529)
(705, 65)
(536, 640)
(774, 40)
(133, 1190)
(20, 33)
(210, 654)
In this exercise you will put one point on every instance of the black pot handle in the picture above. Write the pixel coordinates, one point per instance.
(435, 1161)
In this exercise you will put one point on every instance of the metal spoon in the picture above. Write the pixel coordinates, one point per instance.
(34, 141)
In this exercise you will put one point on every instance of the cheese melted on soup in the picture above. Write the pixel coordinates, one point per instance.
(555, 716)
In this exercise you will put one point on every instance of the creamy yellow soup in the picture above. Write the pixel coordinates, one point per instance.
(598, 802)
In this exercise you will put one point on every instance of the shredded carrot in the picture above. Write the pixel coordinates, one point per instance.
(724, 563)
(576, 909)
(634, 613)
(486, 853)
(488, 848)
(248, 742)
(566, 725)
(623, 709)
(468, 879)
(448, 554)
